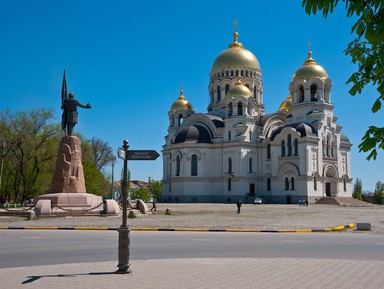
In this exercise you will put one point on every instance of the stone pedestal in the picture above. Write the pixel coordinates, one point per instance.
(68, 184)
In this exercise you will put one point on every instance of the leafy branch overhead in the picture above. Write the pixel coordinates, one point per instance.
(367, 51)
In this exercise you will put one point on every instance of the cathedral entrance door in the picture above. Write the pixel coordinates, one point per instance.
(328, 189)
(252, 190)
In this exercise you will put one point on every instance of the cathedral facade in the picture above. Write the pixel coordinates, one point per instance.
(237, 150)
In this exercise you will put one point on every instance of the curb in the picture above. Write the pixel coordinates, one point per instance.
(333, 229)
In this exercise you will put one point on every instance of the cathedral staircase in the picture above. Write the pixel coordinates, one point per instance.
(347, 202)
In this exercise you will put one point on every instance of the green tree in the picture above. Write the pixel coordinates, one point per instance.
(156, 189)
(98, 152)
(141, 193)
(357, 189)
(367, 51)
(378, 195)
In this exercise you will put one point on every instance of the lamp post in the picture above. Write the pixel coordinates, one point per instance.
(124, 238)
(2, 161)
(112, 185)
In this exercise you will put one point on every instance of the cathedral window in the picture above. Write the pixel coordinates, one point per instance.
(194, 165)
(242, 73)
(250, 135)
(254, 91)
(286, 184)
(301, 93)
(296, 145)
(268, 151)
(177, 165)
(250, 165)
(345, 185)
(328, 149)
(229, 185)
(289, 143)
(226, 89)
(229, 165)
(231, 72)
(313, 92)
(332, 149)
(292, 183)
(240, 108)
(230, 109)
(315, 183)
(180, 119)
(218, 93)
(283, 148)
(237, 73)
(227, 73)
(229, 135)
(268, 184)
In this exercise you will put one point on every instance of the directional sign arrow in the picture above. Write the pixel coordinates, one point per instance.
(142, 155)
(121, 153)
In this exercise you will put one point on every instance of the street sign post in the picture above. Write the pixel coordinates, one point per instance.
(124, 231)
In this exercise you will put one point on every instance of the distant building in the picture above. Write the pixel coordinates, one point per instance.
(133, 186)
(237, 150)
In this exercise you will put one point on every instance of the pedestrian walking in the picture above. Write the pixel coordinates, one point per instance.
(153, 204)
(238, 203)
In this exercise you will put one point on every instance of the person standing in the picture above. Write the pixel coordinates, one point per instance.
(238, 203)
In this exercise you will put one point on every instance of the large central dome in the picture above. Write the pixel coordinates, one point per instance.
(235, 56)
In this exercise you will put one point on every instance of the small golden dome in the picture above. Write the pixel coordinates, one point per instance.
(235, 56)
(181, 103)
(286, 104)
(238, 89)
(310, 69)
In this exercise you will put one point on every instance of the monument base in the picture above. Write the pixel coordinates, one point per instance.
(71, 199)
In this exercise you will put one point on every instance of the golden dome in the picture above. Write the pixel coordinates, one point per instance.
(238, 89)
(286, 104)
(310, 69)
(181, 103)
(235, 56)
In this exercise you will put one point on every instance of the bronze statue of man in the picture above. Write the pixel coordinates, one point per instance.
(70, 116)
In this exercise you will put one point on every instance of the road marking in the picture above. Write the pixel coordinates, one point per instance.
(205, 240)
(31, 238)
(292, 241)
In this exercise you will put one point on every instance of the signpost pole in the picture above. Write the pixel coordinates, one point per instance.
(124, 238)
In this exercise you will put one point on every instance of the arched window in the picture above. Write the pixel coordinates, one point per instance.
(296, 147)
(229, 165)
(289, 145)
(292, 183)
(301, 93)
(229, 135)
(250, 165)
(240, 108)
(226, 89)
(254, 92)
(332, 149)
(180, 119)
(283, 148)
(286, 184)
(315, 183)
(231, 72)
(268, 184)
(345, 185)
(218, 93)
(313, 92)
(229, 185)
(268, 151)
(177, 165)
(230, 109)
(250, 135)
(328, 154)
(194, 165)
(242, 73)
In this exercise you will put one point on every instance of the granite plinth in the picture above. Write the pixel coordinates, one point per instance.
(71, 199)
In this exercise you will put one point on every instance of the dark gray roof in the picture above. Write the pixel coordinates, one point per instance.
(344, 138)
(303, 128)
(193, 134)
(217, 121)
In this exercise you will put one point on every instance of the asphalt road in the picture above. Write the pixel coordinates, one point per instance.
(28, 247)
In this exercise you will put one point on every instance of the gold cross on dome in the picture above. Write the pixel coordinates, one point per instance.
(235, 23)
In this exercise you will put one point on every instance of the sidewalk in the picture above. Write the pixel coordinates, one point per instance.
(202, 273)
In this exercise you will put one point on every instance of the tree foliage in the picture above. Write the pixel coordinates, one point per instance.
(357, 189)
(141, 193)
(366, 50)
(156, 189)
(378, 195)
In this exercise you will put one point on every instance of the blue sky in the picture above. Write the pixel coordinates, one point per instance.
(128, 59)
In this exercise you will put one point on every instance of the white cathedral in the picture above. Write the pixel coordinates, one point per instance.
(237, 150)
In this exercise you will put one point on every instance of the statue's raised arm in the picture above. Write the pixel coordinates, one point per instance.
(69, 105)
